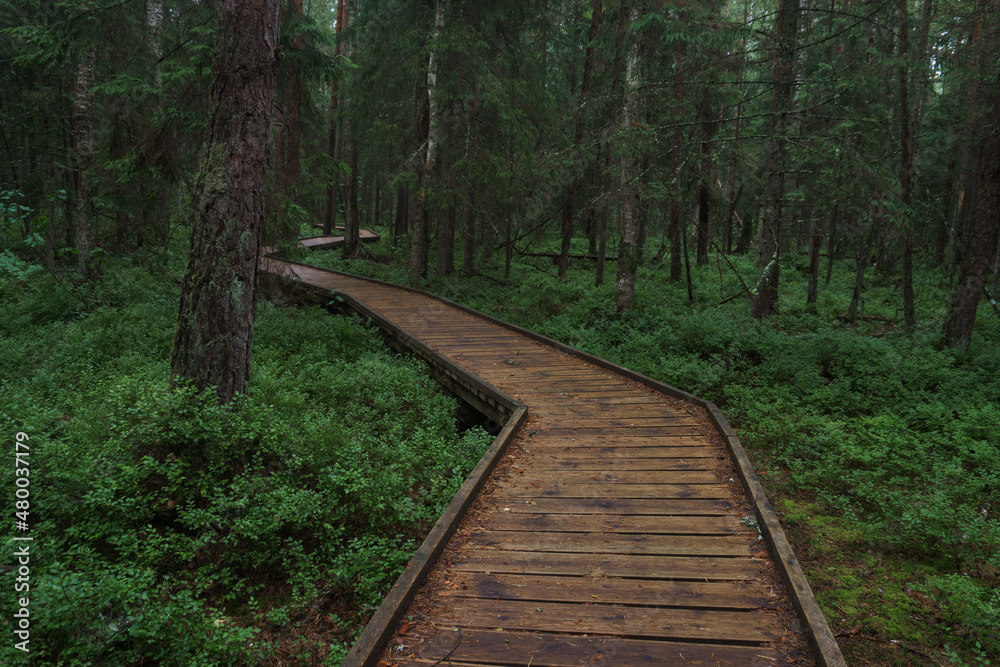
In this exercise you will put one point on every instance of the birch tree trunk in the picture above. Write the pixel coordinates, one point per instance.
(418, 259)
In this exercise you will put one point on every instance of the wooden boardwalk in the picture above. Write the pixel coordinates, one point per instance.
(618, 526)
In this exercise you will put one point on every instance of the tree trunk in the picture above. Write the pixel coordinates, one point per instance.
(445, 258)
(815, 240)
(352, 235)
(982, 234)
(83, 141)
(330, 215)
(293, 125)
(766, 300)
(906, 168)
(859, 276)
(212, 346)
(831, 244)
(568, 208)
(602, 241)
(418, 259)
(628, 246)
(676, 160)
(402, 214)
(469, 215)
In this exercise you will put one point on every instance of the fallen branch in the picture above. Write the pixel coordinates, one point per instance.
(745, 288)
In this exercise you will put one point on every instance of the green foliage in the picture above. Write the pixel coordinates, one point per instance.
(194, 534)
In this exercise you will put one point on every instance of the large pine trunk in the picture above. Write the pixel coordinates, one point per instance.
(982, 233)
(212, 346)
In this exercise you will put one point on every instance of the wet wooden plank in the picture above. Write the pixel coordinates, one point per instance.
(615, 619)
(695, 594)
(621, 464)
(611, 543)
(603, 451)
(644, 507)
(489, 647)
(618, 432)
(619, 477)
(613, 523)
(702, 567)
(595, 490)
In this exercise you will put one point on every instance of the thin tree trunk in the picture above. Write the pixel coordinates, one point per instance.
(445, 259)
(628, 246)
(83, 141)
(568, 208)
(469, 214)
(675, 166)
(859, 276)
(212, 346)
(766, 300)
(815, 240)
(402, 214)
(906, 168)
(602, 242)
(293, 125)
(418, 260)
(330, 214)
(593, 227)
(831, 244)
(352, 234)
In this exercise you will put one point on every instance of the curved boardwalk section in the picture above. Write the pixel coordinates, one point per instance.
(618, 528)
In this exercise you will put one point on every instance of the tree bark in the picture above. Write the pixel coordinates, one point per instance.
(352, 228)
(293, 125)
(469, 214)
(906, 168)
(859, 276)
(628, 246)
(330, 215)
(766, 300)
(676, 160)
(212, 346)
(418, 259)
(982, 234)
(83, 141)
(815, 240)
(568, 208)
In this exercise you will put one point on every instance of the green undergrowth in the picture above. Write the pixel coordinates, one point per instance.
(882, 445)
(170, 531)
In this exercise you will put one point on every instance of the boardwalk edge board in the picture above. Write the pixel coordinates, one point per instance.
(814, 626)
(380, 628)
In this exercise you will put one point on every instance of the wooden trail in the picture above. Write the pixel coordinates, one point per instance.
(613, 521)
